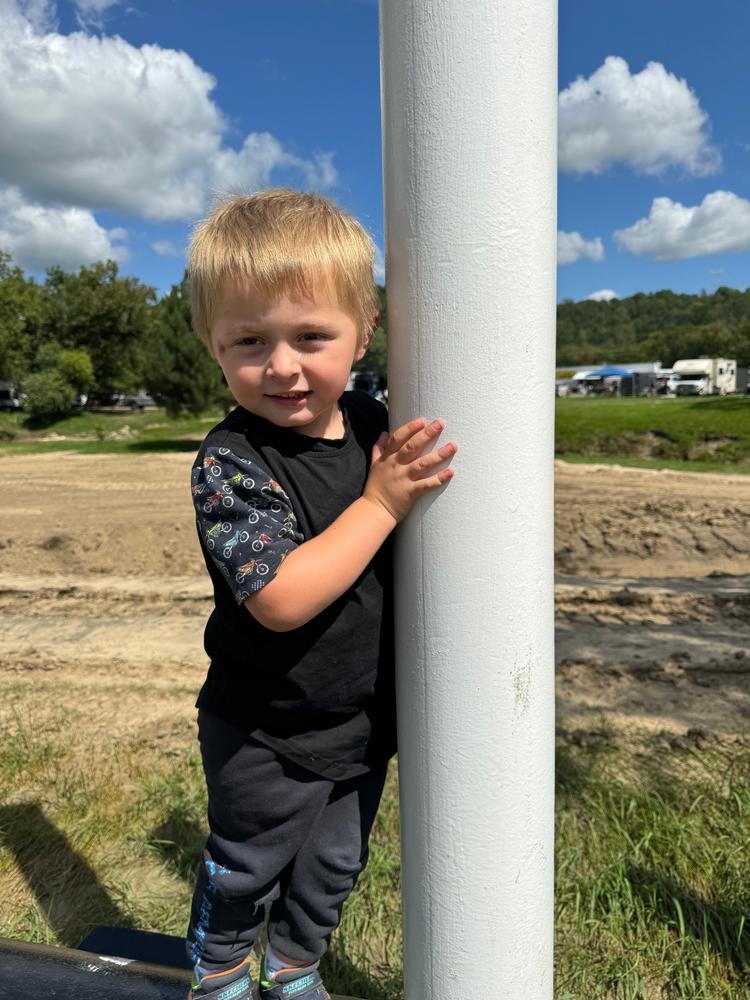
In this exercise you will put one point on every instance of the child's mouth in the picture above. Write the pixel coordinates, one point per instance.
(290, 399)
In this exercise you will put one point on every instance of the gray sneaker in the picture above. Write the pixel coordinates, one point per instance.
(234, 984)
(307, 987)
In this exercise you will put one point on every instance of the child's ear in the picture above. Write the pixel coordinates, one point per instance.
(368, 337)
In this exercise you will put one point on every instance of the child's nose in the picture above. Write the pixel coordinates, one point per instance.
(283, 362)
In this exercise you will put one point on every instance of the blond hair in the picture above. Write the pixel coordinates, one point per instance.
(282, 242)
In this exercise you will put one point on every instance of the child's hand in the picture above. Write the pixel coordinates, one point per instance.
(400, 473)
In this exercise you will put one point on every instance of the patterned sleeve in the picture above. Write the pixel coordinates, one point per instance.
(244, 518)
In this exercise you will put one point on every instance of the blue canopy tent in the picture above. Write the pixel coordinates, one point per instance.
(627, 379)
(610, 371)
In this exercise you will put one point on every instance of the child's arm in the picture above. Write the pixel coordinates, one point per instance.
(321, 569)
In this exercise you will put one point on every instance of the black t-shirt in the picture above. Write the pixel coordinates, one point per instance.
(322, 694)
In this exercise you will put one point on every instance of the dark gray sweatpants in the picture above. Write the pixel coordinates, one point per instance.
(281, 835)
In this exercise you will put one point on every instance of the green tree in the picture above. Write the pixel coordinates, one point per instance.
(21, 319)
(48, 395)
(675, 342)
(77, 368)
(74, 365)
(376, 358)
(107, 316)
(661, 326)
(179, 372)
(60, 376)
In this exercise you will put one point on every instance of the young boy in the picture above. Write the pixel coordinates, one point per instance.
(296, 493)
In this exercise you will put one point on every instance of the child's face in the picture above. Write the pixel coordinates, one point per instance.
(293, 345)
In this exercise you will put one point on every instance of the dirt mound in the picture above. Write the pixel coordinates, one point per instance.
(660, 655)
(111, 514)
(611, 520)
(104, 597)
(131, 516)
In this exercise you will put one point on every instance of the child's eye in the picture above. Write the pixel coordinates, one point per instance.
(248, 341)
(314, 335)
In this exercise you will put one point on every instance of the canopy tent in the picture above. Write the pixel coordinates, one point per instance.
(610, 371)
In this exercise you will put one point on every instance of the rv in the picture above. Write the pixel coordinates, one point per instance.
(705, 376)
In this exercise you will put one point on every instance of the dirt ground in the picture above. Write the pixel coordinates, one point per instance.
(104, 596)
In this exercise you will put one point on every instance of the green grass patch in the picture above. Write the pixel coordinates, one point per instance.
(652, 883)
(654, 463)
(693, 434)
(653, 874)
(698, 434)
(105, 432)
(23, 751)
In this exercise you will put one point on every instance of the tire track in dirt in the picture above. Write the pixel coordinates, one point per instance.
(664, 654)
(667, 655)
(104, 597)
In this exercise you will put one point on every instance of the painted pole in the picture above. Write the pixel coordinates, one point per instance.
(469, 98)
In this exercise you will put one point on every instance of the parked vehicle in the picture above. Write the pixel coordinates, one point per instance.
(139, 401)
(373, 383)
(120, 400)
(705, 376)
(10, 397)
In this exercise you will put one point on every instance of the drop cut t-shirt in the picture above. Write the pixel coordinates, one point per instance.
(321, 695)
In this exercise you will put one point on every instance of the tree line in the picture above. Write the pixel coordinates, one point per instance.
(96, 333)
(661, 326)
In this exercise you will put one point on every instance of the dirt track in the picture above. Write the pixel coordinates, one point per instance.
(104, 597)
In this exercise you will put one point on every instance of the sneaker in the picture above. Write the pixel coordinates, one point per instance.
(233, 984)
(307, 987)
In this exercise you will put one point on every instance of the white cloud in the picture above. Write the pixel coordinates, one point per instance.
(649, 121)
(379, 269)
(90, 13)
(603, 295)
(572, 246)
(95, 6)
(39, 236)
(101, 124)
(720, 224)
(40, 14)
(165, 248)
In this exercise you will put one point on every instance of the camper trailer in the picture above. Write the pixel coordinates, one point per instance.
(705, 376)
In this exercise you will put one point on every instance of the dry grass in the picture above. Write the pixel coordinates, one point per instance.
(653, 862)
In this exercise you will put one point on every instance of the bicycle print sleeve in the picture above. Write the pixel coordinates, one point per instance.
(244, 518)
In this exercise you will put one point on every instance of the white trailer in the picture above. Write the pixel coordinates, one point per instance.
(705, 376)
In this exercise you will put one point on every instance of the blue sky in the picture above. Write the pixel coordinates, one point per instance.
(121, 120)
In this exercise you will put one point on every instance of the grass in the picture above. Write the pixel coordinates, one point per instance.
(653, 862)
(689, 434)
(653, 874)
(105, 432)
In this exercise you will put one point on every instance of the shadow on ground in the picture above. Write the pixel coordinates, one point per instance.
(179, 842)
(66, 888)
(723, 928)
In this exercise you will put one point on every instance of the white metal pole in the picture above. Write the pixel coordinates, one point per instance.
(469, 92)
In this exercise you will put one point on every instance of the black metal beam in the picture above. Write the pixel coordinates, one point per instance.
(41, 972)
